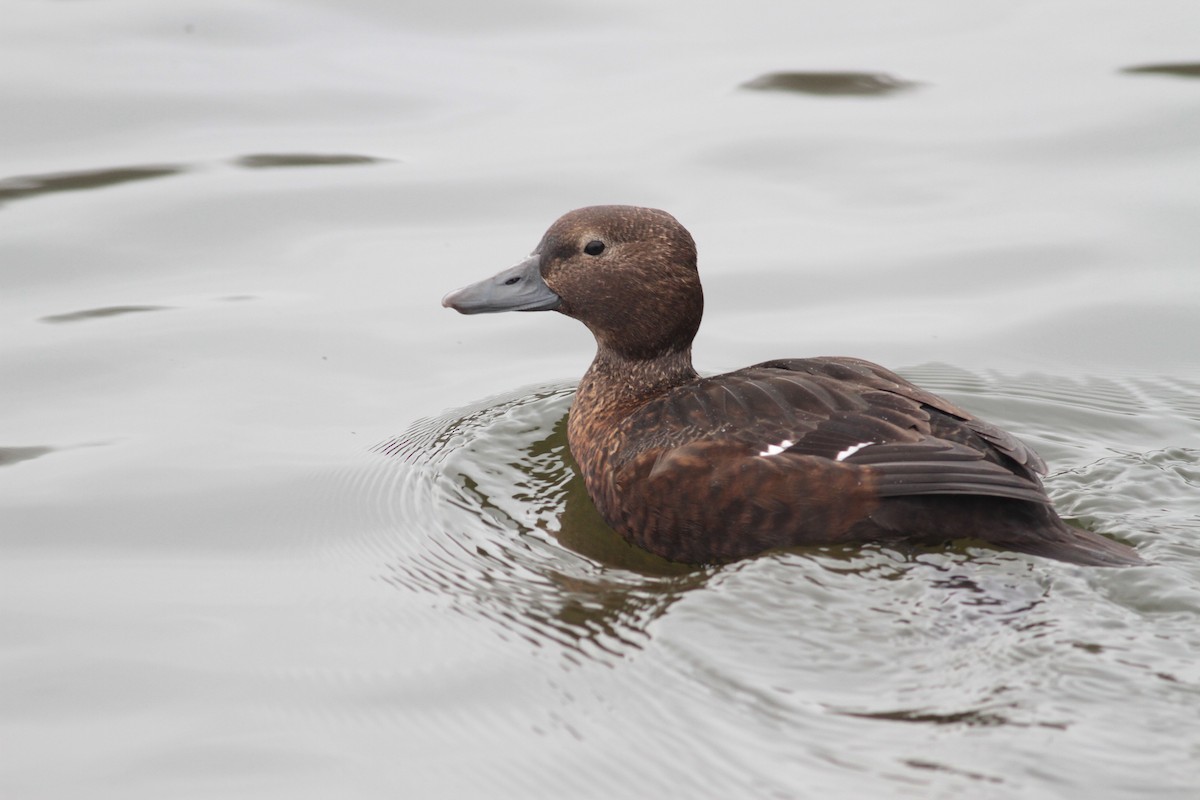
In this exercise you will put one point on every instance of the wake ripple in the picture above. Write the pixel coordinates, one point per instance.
(483, 508)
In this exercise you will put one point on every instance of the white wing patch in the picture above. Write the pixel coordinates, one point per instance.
(776, 449)
(851, 450)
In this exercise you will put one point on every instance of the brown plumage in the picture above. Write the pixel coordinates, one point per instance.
(783, 453)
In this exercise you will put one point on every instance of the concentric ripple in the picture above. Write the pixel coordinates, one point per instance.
(484, 506)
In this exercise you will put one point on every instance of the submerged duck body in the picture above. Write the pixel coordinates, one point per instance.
(784, 453)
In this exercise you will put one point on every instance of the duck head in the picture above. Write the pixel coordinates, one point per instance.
(627, 273)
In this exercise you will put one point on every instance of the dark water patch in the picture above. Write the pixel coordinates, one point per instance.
(933, 766)
(830, 84)
(15, 455)
(972, 718)
(281, 160)
(485, 506)
(23, 186)
(101, 313)
(1179, 70)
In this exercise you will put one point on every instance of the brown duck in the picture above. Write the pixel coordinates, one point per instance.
(808, 451)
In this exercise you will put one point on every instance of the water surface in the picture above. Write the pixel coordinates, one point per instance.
(274, 523)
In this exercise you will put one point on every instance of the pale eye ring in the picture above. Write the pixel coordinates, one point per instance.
(594, 247)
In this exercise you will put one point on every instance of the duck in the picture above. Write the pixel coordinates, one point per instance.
(788, 453)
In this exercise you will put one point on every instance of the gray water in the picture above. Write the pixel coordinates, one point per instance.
(275, 524)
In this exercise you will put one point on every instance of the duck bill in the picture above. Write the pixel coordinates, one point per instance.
(518, 288)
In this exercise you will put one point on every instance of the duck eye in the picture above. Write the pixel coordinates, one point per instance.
(594, 247)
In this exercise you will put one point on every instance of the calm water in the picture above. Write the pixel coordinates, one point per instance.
(275, 524)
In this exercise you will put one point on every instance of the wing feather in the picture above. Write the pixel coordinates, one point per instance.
(910, 441)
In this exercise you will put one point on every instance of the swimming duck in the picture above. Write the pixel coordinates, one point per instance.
(805, 451)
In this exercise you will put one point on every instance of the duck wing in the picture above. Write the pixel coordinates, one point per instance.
(817, 417)
(945, 419)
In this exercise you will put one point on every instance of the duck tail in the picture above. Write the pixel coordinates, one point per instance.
(1064, 542)
(1005, 523)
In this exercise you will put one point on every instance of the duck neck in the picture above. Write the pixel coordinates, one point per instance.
(616, 385)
